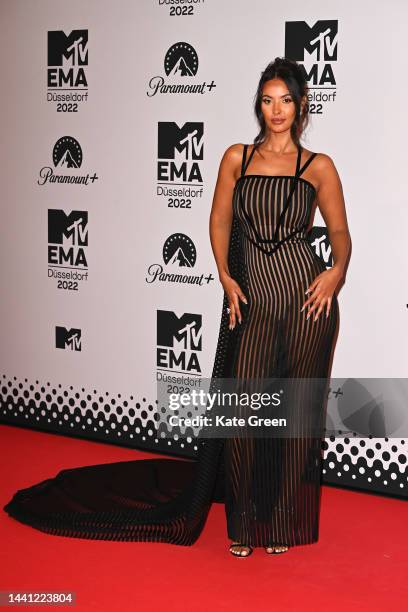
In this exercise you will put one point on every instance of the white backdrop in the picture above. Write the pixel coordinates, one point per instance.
(82, 357)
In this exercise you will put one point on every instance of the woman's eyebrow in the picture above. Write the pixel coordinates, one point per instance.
(268, 96)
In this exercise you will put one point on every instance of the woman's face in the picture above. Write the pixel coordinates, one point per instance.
(277, 105)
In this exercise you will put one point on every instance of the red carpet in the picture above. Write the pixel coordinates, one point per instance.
(360, 561)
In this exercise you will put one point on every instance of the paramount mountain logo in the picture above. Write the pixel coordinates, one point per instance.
(180, 62)
(66, 155)
(179, 255)
(179, 250)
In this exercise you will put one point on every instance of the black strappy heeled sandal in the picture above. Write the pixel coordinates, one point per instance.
(241, 553)
(274, 551)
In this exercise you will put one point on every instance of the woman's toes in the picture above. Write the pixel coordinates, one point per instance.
(239, 551)
(276, 549)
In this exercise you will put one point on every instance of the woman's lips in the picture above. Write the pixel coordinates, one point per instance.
(277, 120)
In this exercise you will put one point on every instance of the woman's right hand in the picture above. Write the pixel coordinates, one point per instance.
(234, 294)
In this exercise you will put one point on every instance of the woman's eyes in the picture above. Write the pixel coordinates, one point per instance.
(267, 100)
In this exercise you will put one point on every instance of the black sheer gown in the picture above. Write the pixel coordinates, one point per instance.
(270, 486)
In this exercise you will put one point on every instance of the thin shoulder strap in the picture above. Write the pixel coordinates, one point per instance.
(244, 154)
(245, 165)
(307, 162)
(299, 157)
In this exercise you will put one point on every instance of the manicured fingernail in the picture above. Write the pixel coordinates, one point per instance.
(302, 308)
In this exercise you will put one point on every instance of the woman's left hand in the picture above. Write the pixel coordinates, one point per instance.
(323, 288)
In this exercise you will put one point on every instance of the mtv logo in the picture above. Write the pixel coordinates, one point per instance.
(71, 228)
(183, 332)
(68, 338)
(71, 50)
(185, 143)
(317, 43)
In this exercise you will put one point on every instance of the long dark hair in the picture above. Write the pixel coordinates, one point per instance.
(290, 72)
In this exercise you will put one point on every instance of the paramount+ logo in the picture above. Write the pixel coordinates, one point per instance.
(67, 160)
(179, 257)
(180, 67)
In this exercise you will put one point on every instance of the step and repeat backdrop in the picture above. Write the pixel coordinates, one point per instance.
(115, 117)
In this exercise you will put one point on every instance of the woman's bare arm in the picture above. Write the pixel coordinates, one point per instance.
(220, 225)
(331, 204)
(221, 211)
(330, 201)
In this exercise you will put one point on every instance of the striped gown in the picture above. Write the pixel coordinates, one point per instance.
(270, 486)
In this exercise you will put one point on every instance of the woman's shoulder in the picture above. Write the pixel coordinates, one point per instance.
(321, 160)
(234, 151)
(232, 159)
(322, 168)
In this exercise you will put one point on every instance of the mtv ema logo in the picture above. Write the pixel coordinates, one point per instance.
(67, 338)
(181, 61)
(315, 48)
(67, 62)
(179, 253)
(179, 342)
(180, 151)
(67, 244)
(66, 155)
(319, 240)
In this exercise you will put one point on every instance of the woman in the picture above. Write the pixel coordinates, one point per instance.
(167, 500)
(268, 189)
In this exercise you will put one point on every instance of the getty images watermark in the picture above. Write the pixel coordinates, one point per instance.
(281, 407)
(180, 403)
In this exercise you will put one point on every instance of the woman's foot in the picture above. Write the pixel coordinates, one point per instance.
(278, 548)
(240, 550)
